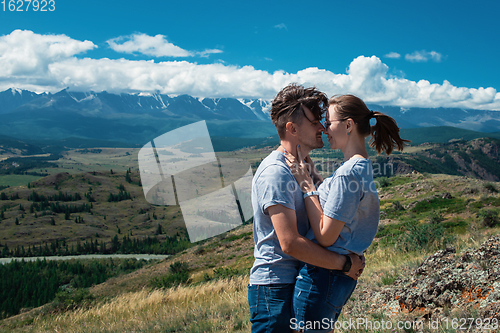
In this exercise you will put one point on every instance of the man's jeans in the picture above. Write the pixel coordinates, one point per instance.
(270, 307)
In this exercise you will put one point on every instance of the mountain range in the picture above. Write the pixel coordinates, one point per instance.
(137, 118)
(127, 118)
(104, 104)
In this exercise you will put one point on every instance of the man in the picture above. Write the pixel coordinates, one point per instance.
(280, 217)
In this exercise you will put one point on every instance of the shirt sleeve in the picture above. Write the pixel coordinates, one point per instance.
(343, 198)
(275, 186)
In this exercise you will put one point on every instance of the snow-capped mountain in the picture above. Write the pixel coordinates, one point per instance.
(126, 117)
(139, 117)
(103, 103)
(13, 98)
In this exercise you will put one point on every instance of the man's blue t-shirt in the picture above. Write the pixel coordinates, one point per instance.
(350, 196)
(274, 184)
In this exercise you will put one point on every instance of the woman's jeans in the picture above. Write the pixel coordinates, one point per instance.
(318, 298)
(270, 307)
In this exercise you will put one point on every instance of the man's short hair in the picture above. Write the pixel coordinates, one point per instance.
(288, 103)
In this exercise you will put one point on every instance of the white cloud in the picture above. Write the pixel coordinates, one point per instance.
(281, 26)
(23, 52)
(424, 56)
(157, 46)
(49, 63)
(206, 53)
(393, 55)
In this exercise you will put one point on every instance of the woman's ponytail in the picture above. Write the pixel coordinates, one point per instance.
(385, 133)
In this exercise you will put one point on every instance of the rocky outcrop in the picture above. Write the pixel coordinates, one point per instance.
(447, 280)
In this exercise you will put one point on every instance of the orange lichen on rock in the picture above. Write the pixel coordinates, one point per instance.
(474, 294)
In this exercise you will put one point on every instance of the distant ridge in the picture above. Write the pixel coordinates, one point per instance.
(441, 134)
(9, 145)
(82, 143)
(414, 117)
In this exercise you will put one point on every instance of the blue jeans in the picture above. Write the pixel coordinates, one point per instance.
(318, 298)
(270, 307)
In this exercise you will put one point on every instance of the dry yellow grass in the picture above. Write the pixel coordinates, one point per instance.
(219, 306)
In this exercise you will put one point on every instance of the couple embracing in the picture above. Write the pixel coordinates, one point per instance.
(310, 233)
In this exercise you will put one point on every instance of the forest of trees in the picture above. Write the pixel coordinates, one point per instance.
(20, 166)
(32, 284)
(58, 208)
(122, 195)
(125, 245)
(13, 197)
(35, 197)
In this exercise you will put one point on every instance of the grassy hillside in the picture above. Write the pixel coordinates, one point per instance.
(477, 158)
(203, 289)
(25, 221)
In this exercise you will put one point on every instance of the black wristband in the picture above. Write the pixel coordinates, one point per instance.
(347, 265)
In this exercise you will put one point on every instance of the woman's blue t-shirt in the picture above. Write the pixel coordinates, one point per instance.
(350, 196)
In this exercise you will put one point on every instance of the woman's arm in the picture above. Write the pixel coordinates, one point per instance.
(326, 230)
(303, 249)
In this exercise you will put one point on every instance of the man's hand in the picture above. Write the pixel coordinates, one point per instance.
(358, 265)
(316, 177)
(301, 170)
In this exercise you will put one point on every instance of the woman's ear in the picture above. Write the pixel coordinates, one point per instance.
(349, 124)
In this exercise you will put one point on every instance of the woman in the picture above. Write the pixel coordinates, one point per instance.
(344, 212)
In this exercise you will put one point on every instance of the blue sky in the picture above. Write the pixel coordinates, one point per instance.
(407, 53)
